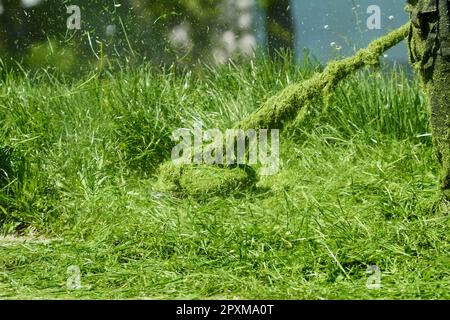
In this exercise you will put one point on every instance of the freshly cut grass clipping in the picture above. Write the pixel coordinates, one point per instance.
(290, 103)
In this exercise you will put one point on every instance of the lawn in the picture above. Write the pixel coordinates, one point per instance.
(358, 187)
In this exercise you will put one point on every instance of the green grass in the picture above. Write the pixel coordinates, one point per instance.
(356, 188)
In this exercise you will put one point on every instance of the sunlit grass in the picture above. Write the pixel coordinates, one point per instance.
(357, 183)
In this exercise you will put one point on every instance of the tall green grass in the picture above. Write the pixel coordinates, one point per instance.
(358, 177)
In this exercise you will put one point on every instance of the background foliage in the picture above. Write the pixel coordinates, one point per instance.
(180, 31)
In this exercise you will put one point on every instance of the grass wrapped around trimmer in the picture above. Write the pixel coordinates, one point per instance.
(293, 100)
(289, 104)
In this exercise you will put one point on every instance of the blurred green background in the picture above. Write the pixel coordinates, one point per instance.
(113, 33)
(35, 34)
